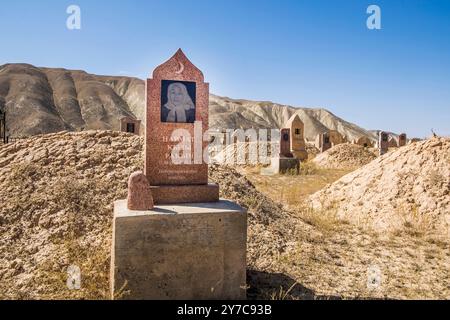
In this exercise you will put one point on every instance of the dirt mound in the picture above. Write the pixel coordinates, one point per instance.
(409, 187)
(57, 193)
(312, 150)
(344, 156)
(56, 196)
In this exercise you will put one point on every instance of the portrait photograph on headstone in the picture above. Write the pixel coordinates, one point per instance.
(219, 158)
(178, 101)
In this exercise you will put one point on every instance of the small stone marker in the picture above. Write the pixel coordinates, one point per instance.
(139, 194)
(383, 142)
(190, 245)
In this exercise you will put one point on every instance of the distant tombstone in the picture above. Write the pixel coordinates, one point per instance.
(392, 142)
(177, 118)
(130, 125)
(402, 140)
(286, 162)
(323, 142)
(335, 137)
(285, 143)
(3, 137)
(383, 142)
(365, 142)
(297, 141)
(326, 141)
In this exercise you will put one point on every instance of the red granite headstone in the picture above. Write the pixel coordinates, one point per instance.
(177, 103)
(285, 143)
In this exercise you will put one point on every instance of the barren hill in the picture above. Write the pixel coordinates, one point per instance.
(231, 113)
(43, 100)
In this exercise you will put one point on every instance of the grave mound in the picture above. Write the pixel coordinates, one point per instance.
(344, 156)
(58, 192)
(409, 187)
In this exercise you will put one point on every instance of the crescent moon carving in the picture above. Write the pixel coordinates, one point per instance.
(181, 68)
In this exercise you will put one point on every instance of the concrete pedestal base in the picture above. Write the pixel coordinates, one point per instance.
(282, 165)
(177, 252)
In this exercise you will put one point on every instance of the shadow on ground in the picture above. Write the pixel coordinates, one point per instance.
(278, 286)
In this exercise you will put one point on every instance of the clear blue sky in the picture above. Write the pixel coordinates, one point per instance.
(302, 53)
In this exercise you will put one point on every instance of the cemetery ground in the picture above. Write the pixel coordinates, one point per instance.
(291, 189)
(58, 192)
(331, 259)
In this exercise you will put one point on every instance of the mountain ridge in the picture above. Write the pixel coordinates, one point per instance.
(41, 100)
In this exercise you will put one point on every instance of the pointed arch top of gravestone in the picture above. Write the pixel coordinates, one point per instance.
(294, 121)
(179, 67)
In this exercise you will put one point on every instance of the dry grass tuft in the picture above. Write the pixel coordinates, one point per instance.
(414, 223)
(324, 220)
(309, 168)
(94, 264)
(282, 293)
